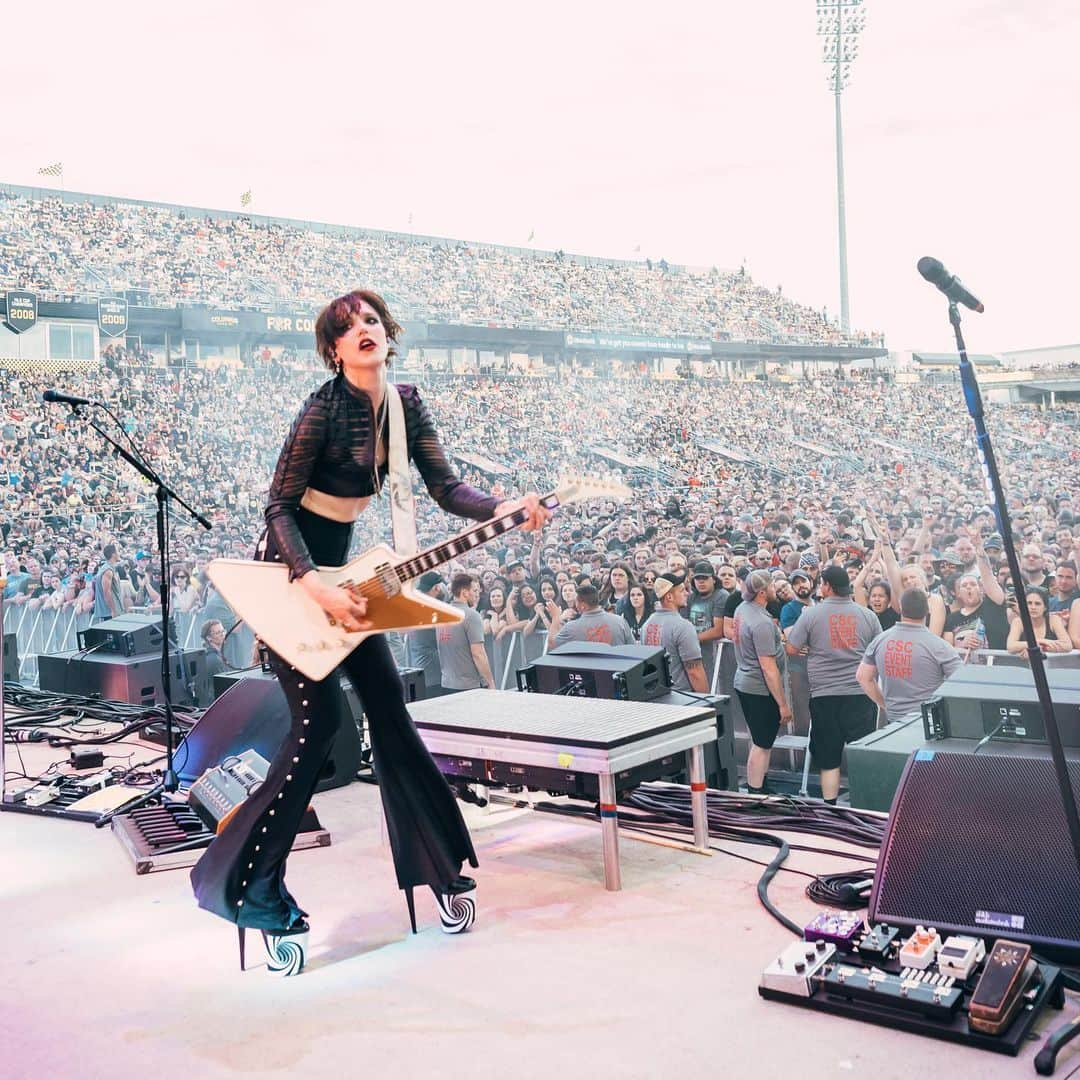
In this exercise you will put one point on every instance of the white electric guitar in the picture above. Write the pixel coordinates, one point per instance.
(282, 614)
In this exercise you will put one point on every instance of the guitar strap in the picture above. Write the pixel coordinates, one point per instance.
(402, 505)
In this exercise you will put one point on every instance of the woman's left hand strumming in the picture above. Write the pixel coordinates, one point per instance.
(538, 515)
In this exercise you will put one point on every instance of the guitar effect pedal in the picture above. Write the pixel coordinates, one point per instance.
(878, 943)
(960, 956)
(921, 949)
(1001, 986)
(792, 971)
(839, 928)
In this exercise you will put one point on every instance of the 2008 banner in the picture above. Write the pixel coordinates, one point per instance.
(21, 310)
(112, 316)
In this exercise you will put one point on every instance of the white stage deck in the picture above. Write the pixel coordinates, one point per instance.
(108, 974)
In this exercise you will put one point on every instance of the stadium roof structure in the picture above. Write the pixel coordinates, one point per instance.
(941, 359)
(1053, 386)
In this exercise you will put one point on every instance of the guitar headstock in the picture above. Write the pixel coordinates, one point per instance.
(572, 489)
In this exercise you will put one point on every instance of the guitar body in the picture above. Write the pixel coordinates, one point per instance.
(282, 614)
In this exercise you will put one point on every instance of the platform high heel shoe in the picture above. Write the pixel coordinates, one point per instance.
(456, 903)
(286, 950)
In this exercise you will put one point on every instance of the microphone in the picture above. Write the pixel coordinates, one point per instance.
(65, 399)
(949, 284)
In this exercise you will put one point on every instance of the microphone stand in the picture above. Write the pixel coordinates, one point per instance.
(136, 459)
(973, 399)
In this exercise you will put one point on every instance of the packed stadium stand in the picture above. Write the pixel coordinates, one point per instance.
(78, 245)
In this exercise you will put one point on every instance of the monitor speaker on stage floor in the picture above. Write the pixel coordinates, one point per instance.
(251, 713)
(11, 657)
(978, 844)
(134, 679)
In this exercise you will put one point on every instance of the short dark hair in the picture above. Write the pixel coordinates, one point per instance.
(109, 550)
(335, 319)
(459, 583)
(837, 579)
(914, 604)
(208, 626)
(588, 595)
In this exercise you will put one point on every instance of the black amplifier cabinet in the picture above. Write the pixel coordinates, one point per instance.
(11, 657)
(126, 635)
(588, 669)
(977, 701)
(135, 679)
(721, 765)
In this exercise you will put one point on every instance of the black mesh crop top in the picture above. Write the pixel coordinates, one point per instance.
(331, 448)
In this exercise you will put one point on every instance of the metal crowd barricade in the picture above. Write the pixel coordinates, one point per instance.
(515, 646)
(41, 631)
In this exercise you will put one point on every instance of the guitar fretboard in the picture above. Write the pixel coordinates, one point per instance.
(466, 541)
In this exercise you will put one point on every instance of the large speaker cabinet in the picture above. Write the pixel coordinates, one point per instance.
(978, 844)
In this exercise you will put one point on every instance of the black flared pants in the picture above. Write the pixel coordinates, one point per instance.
(241, 876)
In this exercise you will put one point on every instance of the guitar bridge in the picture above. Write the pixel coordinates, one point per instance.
(387, 579)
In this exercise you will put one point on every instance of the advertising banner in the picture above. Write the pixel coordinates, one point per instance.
(636, 343)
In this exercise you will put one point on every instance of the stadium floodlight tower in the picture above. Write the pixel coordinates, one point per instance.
(839, 23)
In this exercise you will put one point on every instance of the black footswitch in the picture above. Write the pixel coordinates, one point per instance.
(911, 991)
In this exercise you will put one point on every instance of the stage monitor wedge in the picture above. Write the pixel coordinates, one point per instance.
(978, 844)
(589, 669)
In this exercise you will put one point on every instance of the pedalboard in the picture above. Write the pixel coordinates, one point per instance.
(55, 797)
(952, 990)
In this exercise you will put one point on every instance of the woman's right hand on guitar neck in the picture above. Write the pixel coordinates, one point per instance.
(344, 610)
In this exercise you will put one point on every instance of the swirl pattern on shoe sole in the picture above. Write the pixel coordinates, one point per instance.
(285, 955)
(457, 911)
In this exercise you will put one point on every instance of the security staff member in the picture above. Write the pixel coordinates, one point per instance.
(592, 624)
(462, 655)
(834, 635)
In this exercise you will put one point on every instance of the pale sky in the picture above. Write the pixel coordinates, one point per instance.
(703, 132)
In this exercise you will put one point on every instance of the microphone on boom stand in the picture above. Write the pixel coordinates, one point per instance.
(65, 399)
(949, 284)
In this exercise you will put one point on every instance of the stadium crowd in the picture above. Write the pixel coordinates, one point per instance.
(902, 455)
(68, 248)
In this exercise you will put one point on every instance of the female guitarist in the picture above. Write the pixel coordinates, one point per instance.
(333, 461)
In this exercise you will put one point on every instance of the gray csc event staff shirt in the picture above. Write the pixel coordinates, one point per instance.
(677, 638)
(599, 627)
(455, 653)
(838, 632)
(911, 664)
(756, 635)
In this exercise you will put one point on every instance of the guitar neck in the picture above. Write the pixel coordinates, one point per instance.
(466, 541)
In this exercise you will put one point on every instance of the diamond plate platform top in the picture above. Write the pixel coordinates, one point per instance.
(547, 718)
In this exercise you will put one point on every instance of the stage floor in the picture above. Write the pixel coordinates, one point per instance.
(108, 974)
